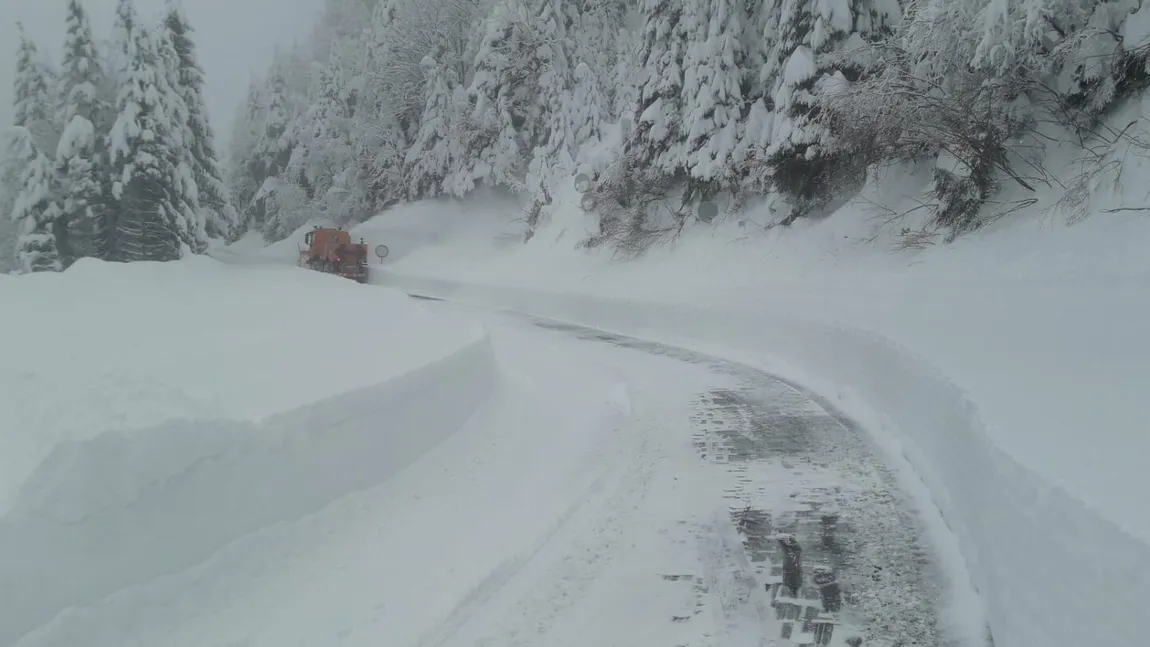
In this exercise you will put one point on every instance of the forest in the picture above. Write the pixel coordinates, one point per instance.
(111, 154)
(669, 103)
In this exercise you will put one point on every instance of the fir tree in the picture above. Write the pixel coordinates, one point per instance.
(221, 219)
(33, 100)
(505, 116)
(35, 210)
(151, 223)
(78, 160)
(185, 190)
(11, 166)
(120, 56)
(713, 88)
(429, 158)
(658, 141)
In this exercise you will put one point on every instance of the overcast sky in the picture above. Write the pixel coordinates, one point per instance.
(234, 38)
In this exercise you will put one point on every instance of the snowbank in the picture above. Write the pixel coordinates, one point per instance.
(406, 557)
(108, 507)
(113, 347)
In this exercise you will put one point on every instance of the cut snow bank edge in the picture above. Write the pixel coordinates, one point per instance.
(1029, 547)
(61, 547)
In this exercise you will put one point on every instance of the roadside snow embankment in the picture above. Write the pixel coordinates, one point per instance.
(156, 412)
(408, 558)
(1008, 369)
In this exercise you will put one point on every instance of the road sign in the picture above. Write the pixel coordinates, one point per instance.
(582, 183)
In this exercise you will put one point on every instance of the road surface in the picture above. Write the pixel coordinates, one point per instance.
(716, 506)
(809, 540)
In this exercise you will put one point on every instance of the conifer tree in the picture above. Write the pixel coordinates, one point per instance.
(78, 158)
(34, 100)
(186, 192)
(35, 210)
(221, 219)
(152, 225)
(658, 140)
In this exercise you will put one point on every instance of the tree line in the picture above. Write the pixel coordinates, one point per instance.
(110, 154)
(664, 104)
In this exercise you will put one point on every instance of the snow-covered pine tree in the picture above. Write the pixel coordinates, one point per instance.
(758, 119)
(180, 139)
(274, 150)
(78, 158)
(714, 72)
(383, 135)
(657, 143)
(803, 155)
(588, 107)
(429, 160)
(11, 165)
(323, 156)
(34, 101)
(598, 42)
(119, 56)
(35, 209)
(221, 219)
(505, 120)
(151, 224)
(554, 145)
(401, 34)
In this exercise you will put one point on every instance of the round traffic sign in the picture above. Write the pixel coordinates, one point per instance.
(582, 183)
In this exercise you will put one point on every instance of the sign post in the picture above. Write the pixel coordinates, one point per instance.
(381, 251)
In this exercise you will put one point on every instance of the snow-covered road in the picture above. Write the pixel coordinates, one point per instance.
(609, 491)
(743, 474)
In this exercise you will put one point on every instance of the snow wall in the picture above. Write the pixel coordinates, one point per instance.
(118, 510)
(1034, 553)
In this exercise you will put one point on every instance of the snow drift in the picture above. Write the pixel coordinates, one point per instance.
(407, 556)
(281, 426)
(117, 347)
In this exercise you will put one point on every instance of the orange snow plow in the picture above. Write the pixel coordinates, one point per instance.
(331, 251)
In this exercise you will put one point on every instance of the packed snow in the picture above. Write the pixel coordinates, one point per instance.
(1005, 370)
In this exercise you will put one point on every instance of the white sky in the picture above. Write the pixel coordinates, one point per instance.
(234, 38)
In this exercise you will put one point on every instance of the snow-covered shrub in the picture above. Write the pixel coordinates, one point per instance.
(968, 120)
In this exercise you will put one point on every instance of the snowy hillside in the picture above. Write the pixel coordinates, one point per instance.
(662, 108)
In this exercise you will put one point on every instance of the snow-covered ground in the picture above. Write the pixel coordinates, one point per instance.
(485, 479)
(114, 348)
(394, 555)
(155, 412)
(1006, 372)
(318, 462)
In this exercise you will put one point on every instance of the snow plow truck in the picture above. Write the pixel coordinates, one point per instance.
(330, 250)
